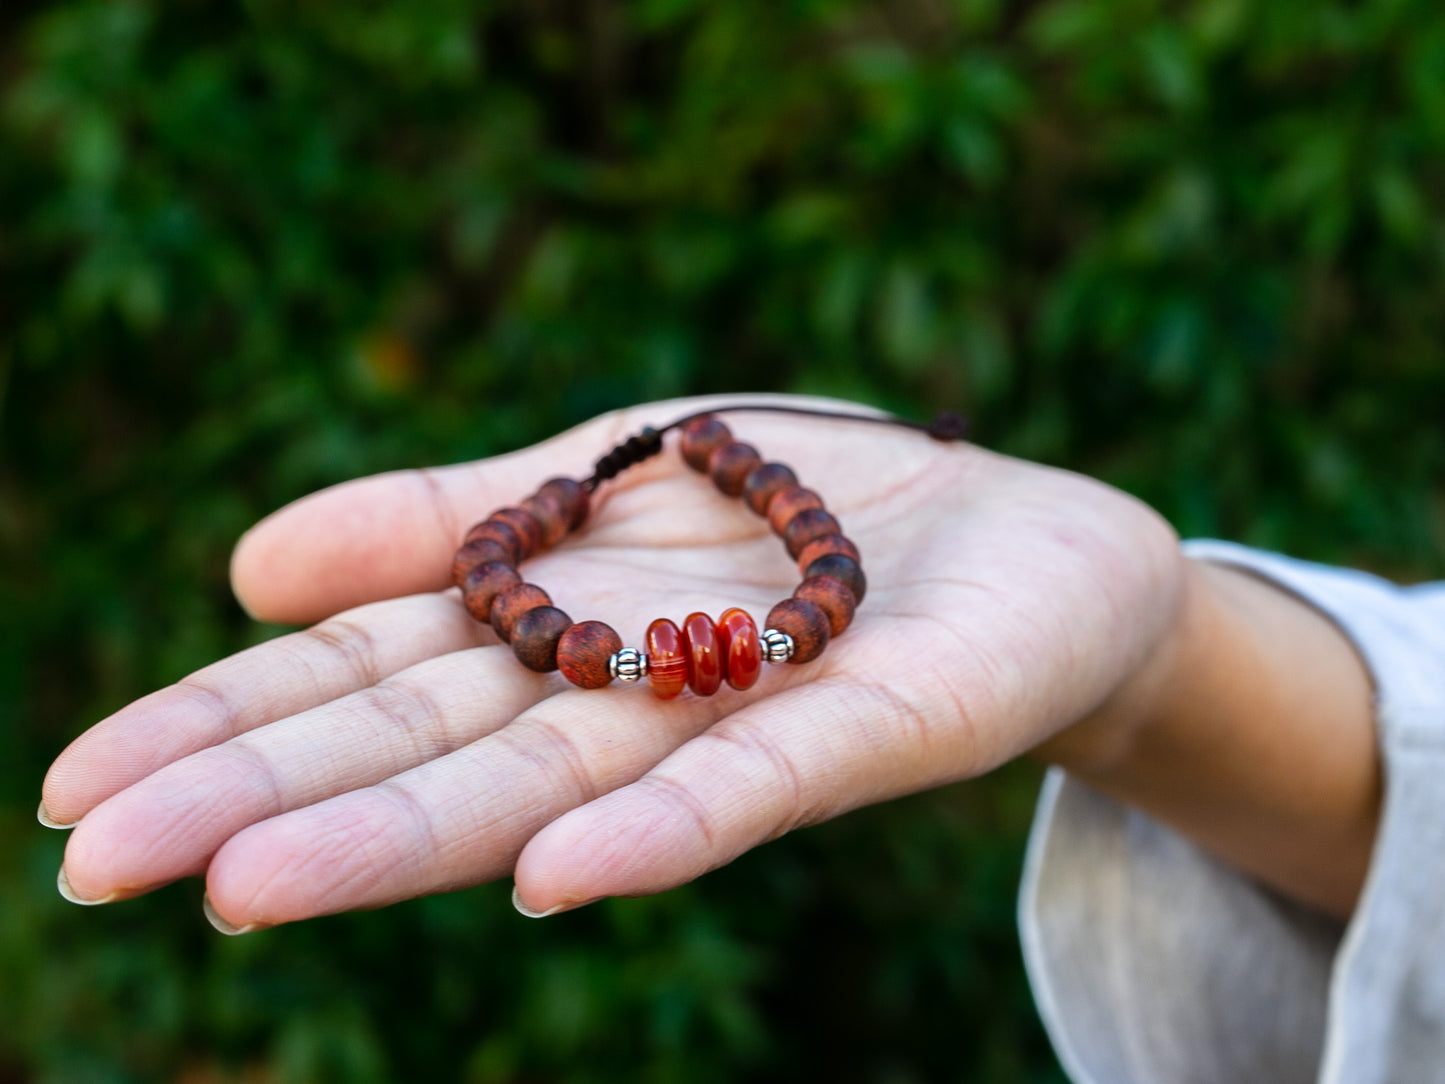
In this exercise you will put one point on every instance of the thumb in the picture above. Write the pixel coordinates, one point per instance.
(391, 534)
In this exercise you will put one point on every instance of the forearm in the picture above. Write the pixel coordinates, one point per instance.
(1251, 731)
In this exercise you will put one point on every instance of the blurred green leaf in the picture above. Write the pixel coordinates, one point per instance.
(248, 251)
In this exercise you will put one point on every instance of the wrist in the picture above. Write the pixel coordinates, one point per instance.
(1105, 738)
(1250, 730)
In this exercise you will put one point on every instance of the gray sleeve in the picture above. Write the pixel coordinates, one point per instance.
(1153, 962)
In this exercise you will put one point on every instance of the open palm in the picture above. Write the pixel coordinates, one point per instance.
(397, 749)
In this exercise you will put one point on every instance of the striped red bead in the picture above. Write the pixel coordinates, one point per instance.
(666, 659)
(704, 654)
(741, 648)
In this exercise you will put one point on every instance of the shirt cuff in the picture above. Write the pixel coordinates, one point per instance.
(1151, 960)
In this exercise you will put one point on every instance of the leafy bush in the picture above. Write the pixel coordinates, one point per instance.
(251, 250)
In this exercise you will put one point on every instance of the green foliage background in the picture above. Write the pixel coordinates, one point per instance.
(248, 250)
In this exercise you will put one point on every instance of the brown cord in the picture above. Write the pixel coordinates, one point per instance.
(946, 426)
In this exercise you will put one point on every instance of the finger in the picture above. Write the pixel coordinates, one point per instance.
(271, 681)
(458, 820)
(168, 825)
(392, 534)
(795, 760)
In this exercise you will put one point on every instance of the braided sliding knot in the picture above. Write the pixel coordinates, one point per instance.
(630, 452)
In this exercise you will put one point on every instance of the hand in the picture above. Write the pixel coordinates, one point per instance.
(397, 749)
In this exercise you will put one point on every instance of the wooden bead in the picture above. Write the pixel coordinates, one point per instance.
(787, 503)
(512, 603)
(742, 650)
(477, 552)
(535, 637)
(764, 482)
(502, 534)
(730, 466)
(529, 531)
(829, 543)
(551, 517)
(700, 438)
(576, 501)
(807, 525)
(484, 583)
(704, 655)
(833, 597)
(805, 623)
(840, 568)
(584, 652)
(666, 659)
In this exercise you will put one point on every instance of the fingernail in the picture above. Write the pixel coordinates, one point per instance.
(221, 925)
(62, 882)
(50, 822)
(523, 909)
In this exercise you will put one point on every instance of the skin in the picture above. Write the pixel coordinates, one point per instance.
(397, 749)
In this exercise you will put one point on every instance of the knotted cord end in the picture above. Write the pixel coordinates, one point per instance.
(948, 426)
(633, 450)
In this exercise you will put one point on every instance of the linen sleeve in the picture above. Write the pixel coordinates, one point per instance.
(1152, 961)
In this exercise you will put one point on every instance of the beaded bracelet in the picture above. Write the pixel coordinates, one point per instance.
(701, 654)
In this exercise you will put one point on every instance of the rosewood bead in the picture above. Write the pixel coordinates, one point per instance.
(829, 543)
(484, 583)
(666, 659)
(700, 438)
(478, 551)
(730, 465)
(807, 525)
(703, 650)
(535, 637)
(841, 568)
(502, 534)
(551, 517)
(511, 604)
(575, 500)
(805, 623)
(529, 531)
(833, 597)
(584, 652)
(787, 503)
(741, 648)
(764, 482)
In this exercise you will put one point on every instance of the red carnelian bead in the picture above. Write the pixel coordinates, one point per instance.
(527, 528)
(574, 498)
(703, 651)
(551, 517)
(477, 552)
(742, 650)
(833, 597)
(764, 482)
(584, 652)
(840, 568)
(787, 503)
(805, 623)
(730, 466)
(700, 438)
(484, 583)
(666, 659)
(503, 535)
(820, 547)
(511, 604)
(807, 525)
(535, 637)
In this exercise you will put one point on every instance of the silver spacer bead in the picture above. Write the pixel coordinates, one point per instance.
(629, 664)
(777, 645)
